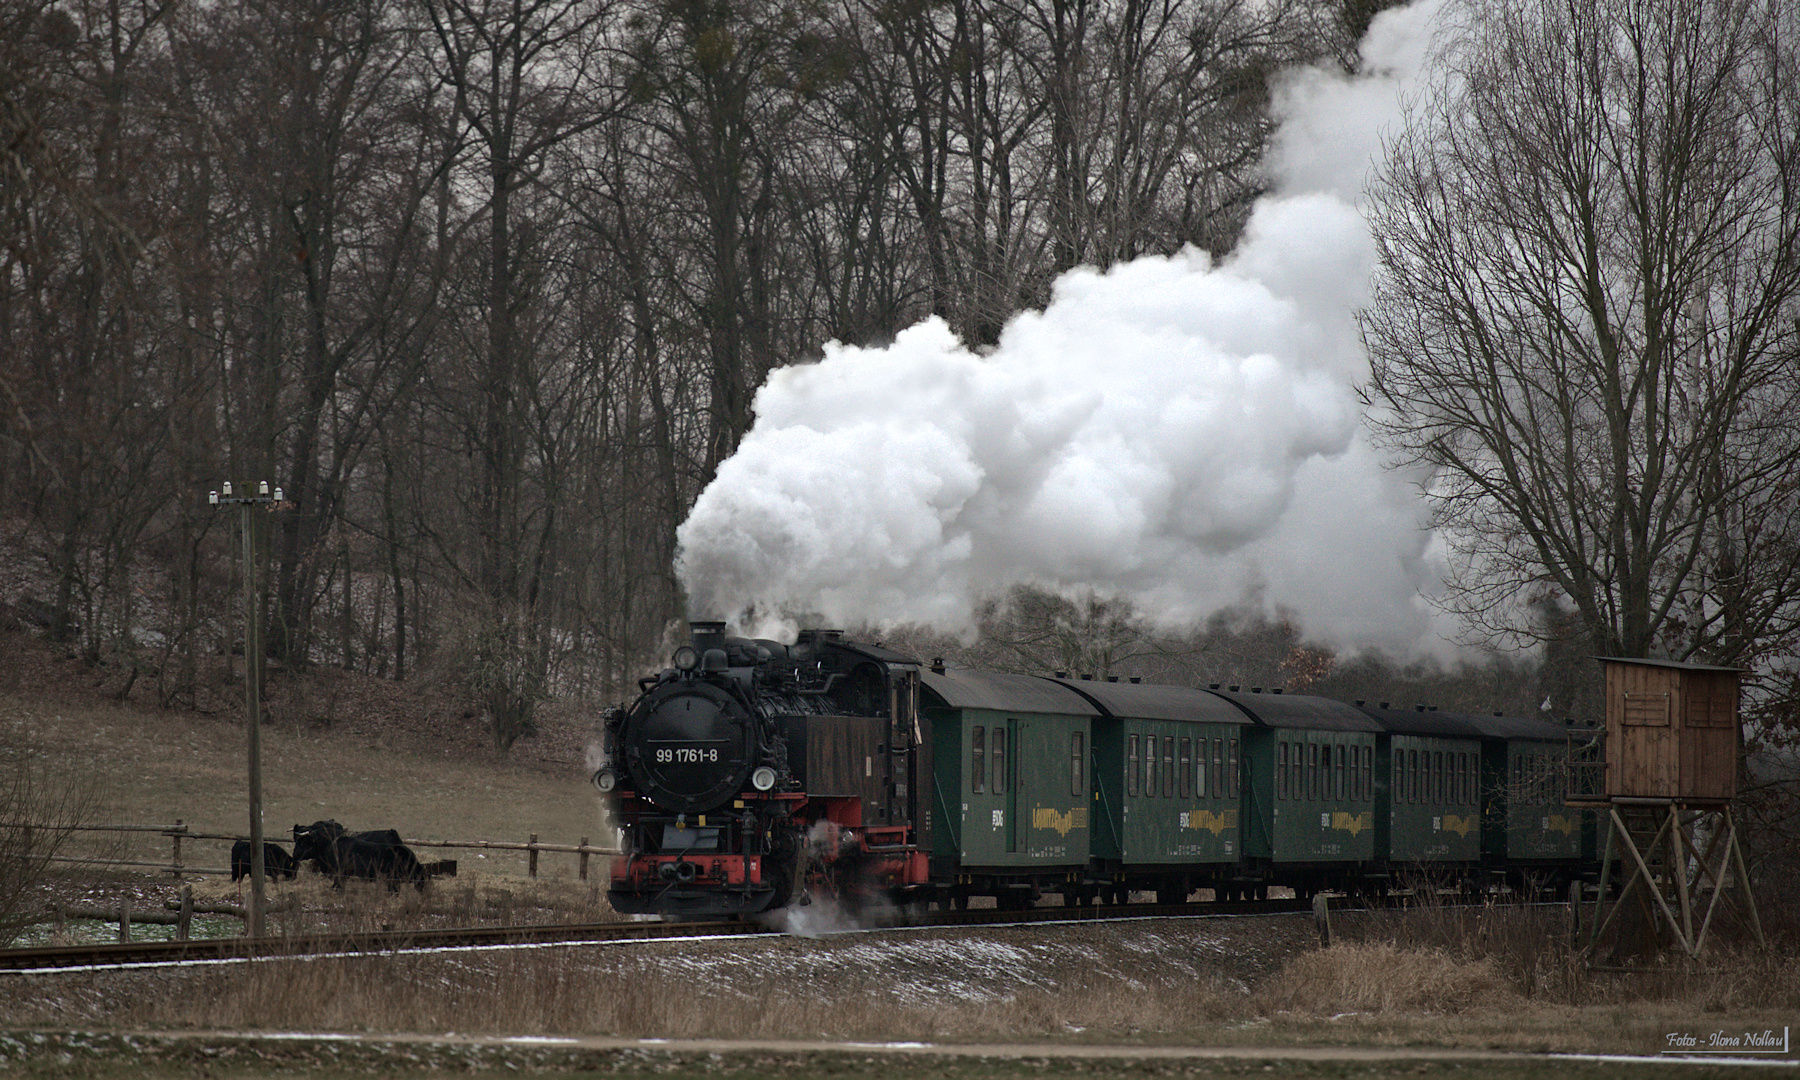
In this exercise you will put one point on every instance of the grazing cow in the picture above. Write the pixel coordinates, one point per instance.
(372, 856)
(277, 863)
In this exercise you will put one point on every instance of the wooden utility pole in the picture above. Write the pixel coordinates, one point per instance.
(247, 507)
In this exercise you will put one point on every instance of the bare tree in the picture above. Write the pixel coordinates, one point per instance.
(40, 807)
(526, 77)
(1584, 320)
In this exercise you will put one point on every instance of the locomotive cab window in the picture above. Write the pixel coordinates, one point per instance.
(977, 759)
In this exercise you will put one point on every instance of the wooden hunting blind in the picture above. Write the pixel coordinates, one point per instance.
(1671, 730)
(1670, 773)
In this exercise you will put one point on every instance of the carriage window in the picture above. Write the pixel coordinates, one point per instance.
(1220, 791)
(1168, 766)
(1297, 785)
(1412, 776)
(1200, 769)
(1231, 765)
(999, 753)
(1443, 785)
(1131, 767)
(1312, 770)
(1340, 772)
(977, 759)
(1077, 763)
(1368, 772)
(1325, 772)
(1187, 768)
(1150, 766)
(1281, 777)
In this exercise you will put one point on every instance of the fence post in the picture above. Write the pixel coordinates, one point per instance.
(532, 848)
(1322, 916)
(177, 832)
(185, 925)
(584, 857)
(125, 921)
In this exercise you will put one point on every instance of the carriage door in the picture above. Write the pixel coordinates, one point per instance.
(1007, 773)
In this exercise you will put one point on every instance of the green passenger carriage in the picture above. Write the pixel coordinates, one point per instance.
(1013, 792)
(1309, 804)
(1427, 791)
(1167, 793)
(1528, 830)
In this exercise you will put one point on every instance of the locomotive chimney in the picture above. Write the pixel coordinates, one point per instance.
(937, 665)
(707, 636)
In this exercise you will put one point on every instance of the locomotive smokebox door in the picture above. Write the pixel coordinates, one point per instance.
(691, 746)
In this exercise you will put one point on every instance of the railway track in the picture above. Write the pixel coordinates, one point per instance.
(239, 948)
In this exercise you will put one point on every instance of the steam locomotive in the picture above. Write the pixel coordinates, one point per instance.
(752, 775)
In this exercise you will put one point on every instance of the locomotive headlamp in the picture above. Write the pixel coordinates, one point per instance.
(763, 778)
(687, 658)
(605, 780)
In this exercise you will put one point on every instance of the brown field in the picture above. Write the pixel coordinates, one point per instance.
(1480, 980)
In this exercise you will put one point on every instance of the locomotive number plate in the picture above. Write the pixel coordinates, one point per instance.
(687, 755)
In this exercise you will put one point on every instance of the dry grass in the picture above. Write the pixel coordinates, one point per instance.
(640, 991)
(156, 768)
(1380, 978)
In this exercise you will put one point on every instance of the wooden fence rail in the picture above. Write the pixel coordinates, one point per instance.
(179, 832)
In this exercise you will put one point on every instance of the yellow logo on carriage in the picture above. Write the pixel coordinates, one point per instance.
(1558, 823)
(1351, 823)
(1461, 826)
(1059, 821)
(1211, 822)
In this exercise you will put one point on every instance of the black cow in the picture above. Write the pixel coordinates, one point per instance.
(372, 856)
(277, 863)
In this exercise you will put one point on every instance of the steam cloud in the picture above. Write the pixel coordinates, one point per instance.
(1182, 431)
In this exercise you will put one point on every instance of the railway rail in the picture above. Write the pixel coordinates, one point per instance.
(387, 941)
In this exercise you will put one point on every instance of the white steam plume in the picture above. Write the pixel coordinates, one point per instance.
(1178, 430)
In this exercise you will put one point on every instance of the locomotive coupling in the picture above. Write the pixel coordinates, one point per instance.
(680, 871)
